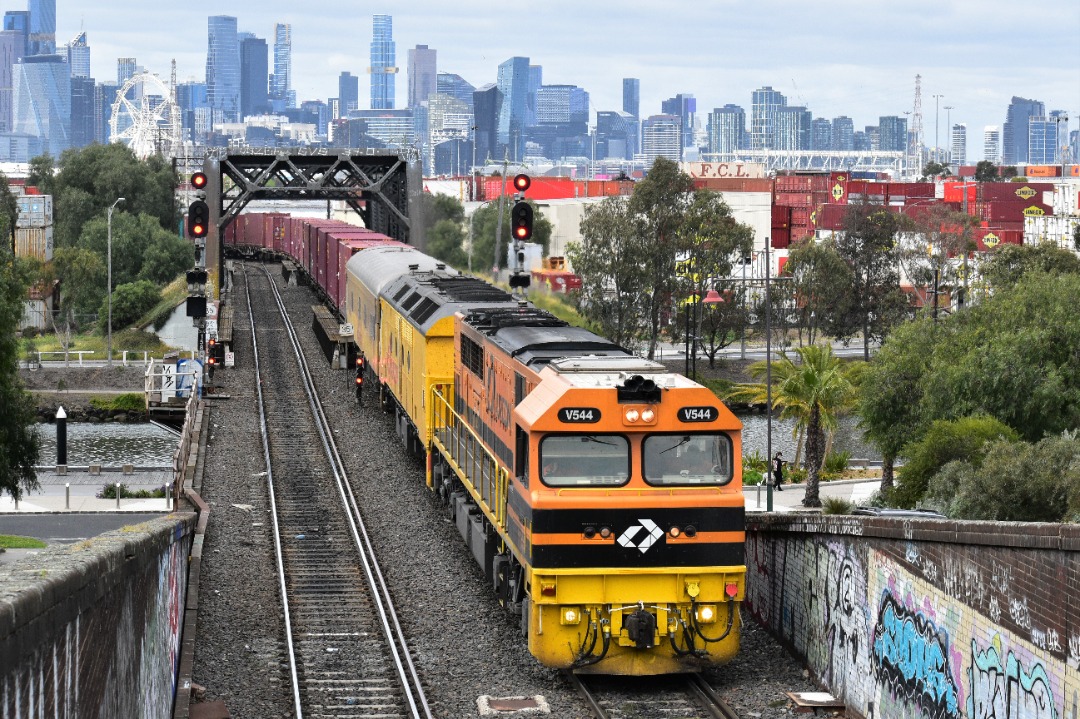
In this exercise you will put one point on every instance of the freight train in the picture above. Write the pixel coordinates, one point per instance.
(600, 493)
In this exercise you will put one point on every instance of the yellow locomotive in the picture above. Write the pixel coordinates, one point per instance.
(600, 493)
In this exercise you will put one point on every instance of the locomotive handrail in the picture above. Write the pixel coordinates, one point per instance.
(492, 491)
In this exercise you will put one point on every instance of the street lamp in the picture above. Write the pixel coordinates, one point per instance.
(108, 344)
(768, 384)
(937, 101)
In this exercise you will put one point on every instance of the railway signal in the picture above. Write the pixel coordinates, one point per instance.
(361, 366)
(521, 220)
(198, 180)
(198, 218)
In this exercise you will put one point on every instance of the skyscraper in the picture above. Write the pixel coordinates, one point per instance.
(843, 128)
(1015, 137)
(41, 39)
(958, 146)
(254, 76)
(821, 134)
(487, 108)
(348, 93)
(661, 136)
(78, 56)
(684, 106)
(792, 128)
(18, 22)
(83, 126)
(513, 83)
(536, 81)
(125, 68)
(42, 101)
(10, 43)
(992, 144)
(383, 57)
(281, 92)
(1044, 142)
(616, 135)
(223, 67)
(893, 133)
(631, 96)
(455, 86)
(765, 102)
(422, 74)
(727, 129)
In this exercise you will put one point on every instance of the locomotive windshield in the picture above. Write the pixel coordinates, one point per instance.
(584, 460)
(681, 459)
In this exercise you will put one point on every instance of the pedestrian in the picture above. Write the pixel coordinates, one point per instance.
(778, 471)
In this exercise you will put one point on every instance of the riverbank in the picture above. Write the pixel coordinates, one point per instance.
(74, 388)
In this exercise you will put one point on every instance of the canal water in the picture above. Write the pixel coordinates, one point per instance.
(110, 444)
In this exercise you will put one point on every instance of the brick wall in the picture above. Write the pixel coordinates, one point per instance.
(925, 618)
(92, 629)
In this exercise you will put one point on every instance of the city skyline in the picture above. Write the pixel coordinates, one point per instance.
(836, 63)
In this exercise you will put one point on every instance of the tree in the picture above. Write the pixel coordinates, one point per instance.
(933, 248)
(141, 249)
(19, 449)
(661, 201)
(485, 220)
(1009, 263)
(130, 302)
(821, 280)
(945, 441)
(933, 170)
(615, 290)
(814, 392)
(445, 241)
(986, 171)
(82, 275)
(868, 246)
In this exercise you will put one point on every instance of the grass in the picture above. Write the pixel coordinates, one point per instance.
(8, 541)
(131, 401)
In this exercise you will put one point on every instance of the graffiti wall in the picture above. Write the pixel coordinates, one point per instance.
(925, 618)
(94, 627)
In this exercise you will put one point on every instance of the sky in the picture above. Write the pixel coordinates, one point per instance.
(845, 57)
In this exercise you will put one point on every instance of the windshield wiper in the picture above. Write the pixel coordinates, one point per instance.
(682, 441)
(587, 438)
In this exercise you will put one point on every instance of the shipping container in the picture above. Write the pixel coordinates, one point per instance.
(781, 217)
(1015, 191)
(1058, 230)
(1007, 211)
(838, 194)
(831, 217)
(734, 184)
(988, 239)
(34, 210)
(800, 216)
(956, 192)
(1042, 171)
(791, 199)
(34, 242)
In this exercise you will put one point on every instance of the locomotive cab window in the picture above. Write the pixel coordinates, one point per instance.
(584, 460)
(687, 459)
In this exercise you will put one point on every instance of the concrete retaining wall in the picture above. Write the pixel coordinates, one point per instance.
(925, 618)
(93, 629)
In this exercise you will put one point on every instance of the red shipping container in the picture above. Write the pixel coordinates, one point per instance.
(831, 217)
(856, 187)
(734, 184)
(1013, 211)
(800, 216)
(781, 238)
(990, 238)
(278, 228)
(1014, 191)
(790, 199)
(781, 217)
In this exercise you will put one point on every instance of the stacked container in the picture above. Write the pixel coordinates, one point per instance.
(34, 228)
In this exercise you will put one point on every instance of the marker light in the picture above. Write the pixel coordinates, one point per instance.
(605, 532)
(632, 415)
(571, 615)
(674, 532)
(647, 415)
(706, 614)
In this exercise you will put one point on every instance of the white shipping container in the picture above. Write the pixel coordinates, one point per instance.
(1057, 229)
(35, 210)
(34, 242)
(35, 314)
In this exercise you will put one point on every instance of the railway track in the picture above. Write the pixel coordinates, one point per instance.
(346, 652)
(686, 696)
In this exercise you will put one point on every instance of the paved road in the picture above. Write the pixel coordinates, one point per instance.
(62, 528)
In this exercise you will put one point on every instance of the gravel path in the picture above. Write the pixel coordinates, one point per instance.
(463, 643)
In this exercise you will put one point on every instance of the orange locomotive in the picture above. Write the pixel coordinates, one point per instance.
(601, 494)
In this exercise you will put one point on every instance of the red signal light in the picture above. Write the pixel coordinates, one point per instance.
(522, 182)
(198, 180)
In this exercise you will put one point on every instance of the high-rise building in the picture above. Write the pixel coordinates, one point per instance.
(104, 97)
(958, 145)
(422, 74)
(125, 68)
(254, 77)
(893, 133)
(727, 129)
(348, 94)
(78, 56)
(861, 142)
(873, 136)
(684, 106)
(320, 111)
(383, 59)
(487, 109)
(190, 96)
(281, 92)
(661, 136)
(10, 43)
(1015, 136)
(631, 96)
(992, 144)
(843, 137)
(18, 22)
(1047, 138)
(765, 102)
(223, 68)
(41, 39)
(83, 96)
(821, 134)
(536, 81)
(513, 83)
(562, 104)
(616, 135)
(455, 86)
(792, 128)
(42, 101)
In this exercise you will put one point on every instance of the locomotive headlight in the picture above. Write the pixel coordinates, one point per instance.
(674, 532)
(570, 615)
(706, 614)
(647, 415)
(605, 532)
(632, 415)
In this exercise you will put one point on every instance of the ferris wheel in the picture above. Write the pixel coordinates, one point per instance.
(145, 117)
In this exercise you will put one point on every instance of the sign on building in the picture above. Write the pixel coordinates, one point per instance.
(724, 169)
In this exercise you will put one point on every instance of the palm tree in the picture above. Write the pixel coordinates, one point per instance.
(814, 392)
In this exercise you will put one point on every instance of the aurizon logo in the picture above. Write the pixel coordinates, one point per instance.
(652, 534)
(1025, 193)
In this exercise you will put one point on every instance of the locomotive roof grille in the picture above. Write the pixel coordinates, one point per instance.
(490, 320)
(469, 289)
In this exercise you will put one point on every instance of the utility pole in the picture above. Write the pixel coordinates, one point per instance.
(937, 128)
(949, 135)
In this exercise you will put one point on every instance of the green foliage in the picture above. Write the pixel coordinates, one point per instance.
(445, 242)
(108, 491)
(129, 303)
(755, 462)
(485, 221)
(128, 402)
(934, 169)
(822, 280)
(946, 441)
(836, 505)
(1009, 263)
(1015, 482)
(986, 171)
(836, 463)
(19, 449)
(8, 541)
(439, 207)
(751, 477)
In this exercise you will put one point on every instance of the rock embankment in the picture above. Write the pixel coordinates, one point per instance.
(73, 387)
